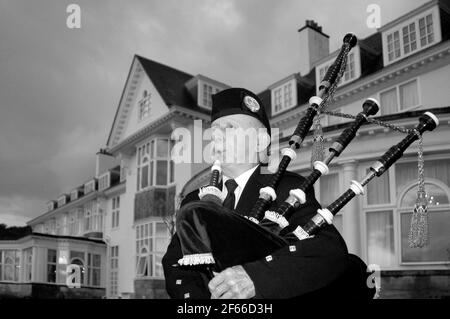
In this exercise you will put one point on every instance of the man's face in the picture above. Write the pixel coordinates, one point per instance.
(237, 139)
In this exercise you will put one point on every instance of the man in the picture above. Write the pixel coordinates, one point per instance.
(309, 269)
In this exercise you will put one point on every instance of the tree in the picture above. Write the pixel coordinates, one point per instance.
(13, 232)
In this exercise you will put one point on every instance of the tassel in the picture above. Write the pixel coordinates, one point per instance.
(418, 235)
(196, 259)
(317, 152)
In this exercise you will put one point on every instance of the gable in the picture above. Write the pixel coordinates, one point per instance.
(127, 120)
(146, 106)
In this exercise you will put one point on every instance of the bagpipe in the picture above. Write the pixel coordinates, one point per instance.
(208, 232)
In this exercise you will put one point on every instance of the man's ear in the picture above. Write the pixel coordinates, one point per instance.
(263, 139)
(263, 146)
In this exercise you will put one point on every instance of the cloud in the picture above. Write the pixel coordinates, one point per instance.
(17, 210)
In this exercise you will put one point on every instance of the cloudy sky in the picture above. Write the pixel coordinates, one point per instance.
(59, 87)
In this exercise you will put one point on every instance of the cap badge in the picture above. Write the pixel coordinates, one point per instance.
(251, 103)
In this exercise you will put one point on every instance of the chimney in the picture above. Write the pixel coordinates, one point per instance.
(314, 45)
(104, 161)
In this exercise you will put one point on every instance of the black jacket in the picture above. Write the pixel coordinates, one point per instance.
(316, 263)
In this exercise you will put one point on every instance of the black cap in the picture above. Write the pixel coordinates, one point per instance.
(238, 101)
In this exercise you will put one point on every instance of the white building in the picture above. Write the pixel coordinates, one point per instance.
(116, 224)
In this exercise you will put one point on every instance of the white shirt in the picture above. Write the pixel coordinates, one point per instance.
(241, 180)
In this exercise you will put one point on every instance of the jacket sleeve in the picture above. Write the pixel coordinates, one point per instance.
(180, 282)
(307, 266)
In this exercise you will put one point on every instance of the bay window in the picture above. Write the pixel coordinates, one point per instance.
(152, 240)
(388, 207)
(154, 166)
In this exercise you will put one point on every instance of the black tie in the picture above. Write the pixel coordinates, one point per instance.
(231, 198)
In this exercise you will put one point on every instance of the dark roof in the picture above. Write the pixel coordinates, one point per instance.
(170, 83)
(305, 89)
(98, 241)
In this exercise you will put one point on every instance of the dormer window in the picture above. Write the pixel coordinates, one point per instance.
(283, 97)
(144, 105)
(352, 69)
(90, 186)
(51, 205)
(412, 35)
(104, 181)
(207, 90)
(62, 200)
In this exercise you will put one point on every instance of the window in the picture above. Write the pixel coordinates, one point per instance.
(94, 269)
(9, 265)
(409, 37)
(426, 30)
(350, 68)
(93, 217)
(76, 218)
(380, 237)
(283, 97)
(90, 186)
(114, 267)
(393, 42)
(437, 177)
(278, 100)
(400, 98)
(409, 95)
(28, 262)
(378, 190)
(75, 194)
(287, 89)
(390, 202)
(77, 258)
(123, 171)
(62, 201)
(104, 181)
(87, 220)
(351, 72)
(439, 223)
(152, 240)
(115, 212)
(388, 101)
(154, 165)
(144, 105)
(51, 265)
(206, 95)
(51, 205)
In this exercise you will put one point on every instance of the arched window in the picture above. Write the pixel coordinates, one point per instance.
(78, 261)
(11, 265)
(438, 249)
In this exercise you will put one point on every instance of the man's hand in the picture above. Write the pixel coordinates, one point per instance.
(232, 283)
